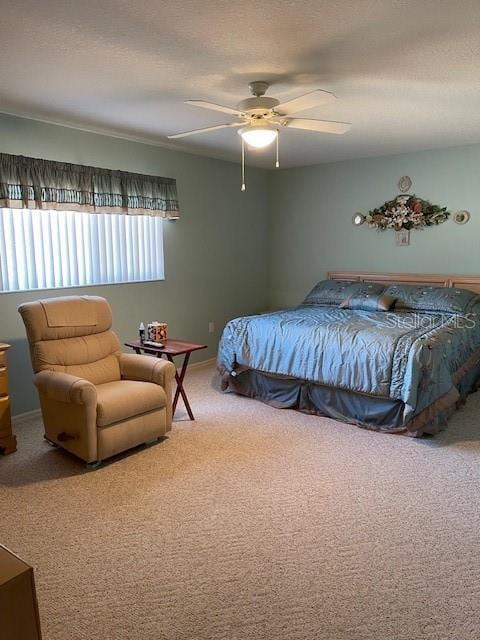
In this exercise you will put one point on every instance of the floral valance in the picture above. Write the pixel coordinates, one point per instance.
(31, 183)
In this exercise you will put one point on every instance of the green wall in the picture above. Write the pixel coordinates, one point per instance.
(236, 253)
(311, 209)
(215, 259)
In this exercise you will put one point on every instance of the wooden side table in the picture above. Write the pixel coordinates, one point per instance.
(8, 442)
(171, 349)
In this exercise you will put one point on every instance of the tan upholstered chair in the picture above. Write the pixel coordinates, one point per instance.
(95, 400)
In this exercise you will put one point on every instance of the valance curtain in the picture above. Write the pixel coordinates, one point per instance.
(31, 183)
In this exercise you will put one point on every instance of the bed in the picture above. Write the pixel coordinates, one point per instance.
(390, 352)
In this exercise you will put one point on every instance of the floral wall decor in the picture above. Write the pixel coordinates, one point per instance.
(406, 212)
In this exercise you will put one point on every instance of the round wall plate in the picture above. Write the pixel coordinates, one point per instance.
(358, 219)
(404, 183)
(461, 217)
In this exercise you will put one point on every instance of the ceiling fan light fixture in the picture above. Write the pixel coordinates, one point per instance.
(261, 118)
(259, 136)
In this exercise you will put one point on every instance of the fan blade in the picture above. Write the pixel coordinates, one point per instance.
(205, 129)
(307, 101)
(322, 126)
(214, 107)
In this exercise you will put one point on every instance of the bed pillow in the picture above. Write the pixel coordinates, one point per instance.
(429, 298)
(369, 302)
(333, 292)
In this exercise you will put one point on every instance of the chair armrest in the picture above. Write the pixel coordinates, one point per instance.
(146, 369)
(64, 387)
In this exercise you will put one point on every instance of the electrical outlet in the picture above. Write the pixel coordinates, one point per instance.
(211, 327)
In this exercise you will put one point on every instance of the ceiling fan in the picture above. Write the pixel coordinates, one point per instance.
(261, 118)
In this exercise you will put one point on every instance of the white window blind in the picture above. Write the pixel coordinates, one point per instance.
(55, 249)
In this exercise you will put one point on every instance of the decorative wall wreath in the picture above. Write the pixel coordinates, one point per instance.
(406, 212)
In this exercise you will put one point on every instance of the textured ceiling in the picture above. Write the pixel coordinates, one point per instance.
(407, 73)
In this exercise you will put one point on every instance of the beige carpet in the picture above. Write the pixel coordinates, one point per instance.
(253, 523)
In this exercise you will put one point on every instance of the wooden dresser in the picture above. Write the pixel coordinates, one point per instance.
(18, 600)
(8, 442)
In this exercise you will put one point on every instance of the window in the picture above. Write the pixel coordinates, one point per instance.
(54, 249)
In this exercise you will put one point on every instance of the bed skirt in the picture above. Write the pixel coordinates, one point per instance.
(368, 412)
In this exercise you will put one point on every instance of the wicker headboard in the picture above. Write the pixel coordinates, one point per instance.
(471, 283)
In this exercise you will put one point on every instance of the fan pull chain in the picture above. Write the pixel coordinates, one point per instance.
(277, 163)
(243, 165)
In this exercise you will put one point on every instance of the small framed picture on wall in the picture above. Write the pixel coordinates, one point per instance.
(402, 238)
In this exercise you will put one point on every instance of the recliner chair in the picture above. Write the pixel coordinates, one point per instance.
(96, 401)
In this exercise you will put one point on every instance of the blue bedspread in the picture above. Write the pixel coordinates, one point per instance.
(402, 355)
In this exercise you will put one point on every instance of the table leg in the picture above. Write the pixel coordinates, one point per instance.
(180, 390)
